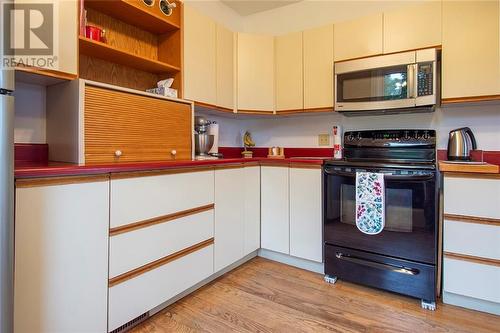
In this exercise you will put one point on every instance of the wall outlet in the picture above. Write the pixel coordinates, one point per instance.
(323, 139)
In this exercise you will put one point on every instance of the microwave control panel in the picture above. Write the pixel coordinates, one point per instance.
(425, 79)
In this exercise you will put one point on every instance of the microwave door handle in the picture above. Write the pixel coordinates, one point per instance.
(412, 81)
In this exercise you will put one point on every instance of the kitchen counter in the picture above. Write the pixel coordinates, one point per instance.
(55, 169)
(487, 168)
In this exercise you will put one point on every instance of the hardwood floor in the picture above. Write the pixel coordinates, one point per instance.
(265, 296)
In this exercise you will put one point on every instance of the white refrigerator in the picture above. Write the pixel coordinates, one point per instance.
(6, 197)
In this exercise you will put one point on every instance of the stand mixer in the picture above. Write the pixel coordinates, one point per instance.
(204, 141)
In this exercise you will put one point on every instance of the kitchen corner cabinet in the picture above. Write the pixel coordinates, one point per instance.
(61, 261)
(412, 27)
(226, 64)
(470, 56)
(318, 67)
(200, 68)
(255, 73)
(275, 209)
(306, 227)
(359, 38)
(289, 72)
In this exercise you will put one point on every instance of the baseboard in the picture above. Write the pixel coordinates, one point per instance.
(313, 266)
(202, 283)
(471, 303)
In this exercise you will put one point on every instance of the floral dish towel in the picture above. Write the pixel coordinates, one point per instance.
(370, 202)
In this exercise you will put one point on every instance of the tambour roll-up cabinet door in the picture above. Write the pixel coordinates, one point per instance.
(125, 127)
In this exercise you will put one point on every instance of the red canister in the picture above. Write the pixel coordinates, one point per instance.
(93, 33)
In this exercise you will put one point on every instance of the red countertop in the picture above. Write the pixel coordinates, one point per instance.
(53, 169)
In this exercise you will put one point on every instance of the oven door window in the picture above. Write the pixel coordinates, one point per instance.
(410, 218)
(382, 84)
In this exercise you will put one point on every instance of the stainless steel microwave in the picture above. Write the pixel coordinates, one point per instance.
(399, 82)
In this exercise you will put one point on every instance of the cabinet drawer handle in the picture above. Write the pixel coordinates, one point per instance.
(118, 153)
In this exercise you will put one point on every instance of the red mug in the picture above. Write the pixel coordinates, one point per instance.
(94, 33)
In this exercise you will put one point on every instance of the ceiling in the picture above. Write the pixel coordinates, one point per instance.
(249, 7)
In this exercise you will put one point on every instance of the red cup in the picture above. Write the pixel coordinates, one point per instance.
(93, 33)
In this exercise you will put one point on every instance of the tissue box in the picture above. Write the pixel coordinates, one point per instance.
(167, 92)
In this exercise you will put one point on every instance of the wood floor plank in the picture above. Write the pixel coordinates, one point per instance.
(266, 296)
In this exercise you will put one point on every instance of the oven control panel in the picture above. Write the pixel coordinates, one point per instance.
(390, 138)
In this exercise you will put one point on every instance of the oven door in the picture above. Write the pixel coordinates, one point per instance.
(376, 83)
(410, 213)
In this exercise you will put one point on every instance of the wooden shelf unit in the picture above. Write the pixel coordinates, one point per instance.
(142, 47)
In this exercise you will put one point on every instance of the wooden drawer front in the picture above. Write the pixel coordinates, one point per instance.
(138, 199)
(142, 128)
(133, 249)
(471, 279)
(472, 196)
(133, 297)
(473, 239)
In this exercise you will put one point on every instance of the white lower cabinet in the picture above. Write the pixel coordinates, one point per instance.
(61, 257)
(275, 213)
(133, 297)
(306, 232)
(229, 216)
(252, 208)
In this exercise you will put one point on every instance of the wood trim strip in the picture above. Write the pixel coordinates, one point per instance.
(468, 168)
(65, 180)
(474, 259)
(149, 173)
(472, 219)
(158, 220)
(46, 72)
(158, 263)
(250, 164)
(310, 110)
(261, 112)
(470, 99)
(305, 165)
(438, 47)
(213, 107)
(278, 163)
(472, 175)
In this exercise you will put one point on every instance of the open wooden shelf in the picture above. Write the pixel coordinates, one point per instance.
(136, 13)
(109, 53)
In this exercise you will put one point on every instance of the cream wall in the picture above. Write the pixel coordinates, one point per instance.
(29, 115)
(302, 131)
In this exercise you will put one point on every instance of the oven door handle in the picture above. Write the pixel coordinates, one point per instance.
(386, 176)
(376, 264)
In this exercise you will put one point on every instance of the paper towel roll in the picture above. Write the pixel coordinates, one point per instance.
(214, 130)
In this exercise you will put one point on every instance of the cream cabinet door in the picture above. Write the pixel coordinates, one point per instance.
(470, 56)
(412, 27)
(252, 208)
(358, 38)
(199, 57)
(275, 214)
(229, 216)
(226, 53)
(65, 26)
(318, 68)
(289, 72)
(306, 224)
(255, 73)
(61, 262)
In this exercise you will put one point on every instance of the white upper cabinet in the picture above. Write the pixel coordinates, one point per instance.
(226, 53)
(255, 73)
(412, 27)
(470, 56)
(199, 57)
(289, 72)
(318, 67)
(359, 38)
